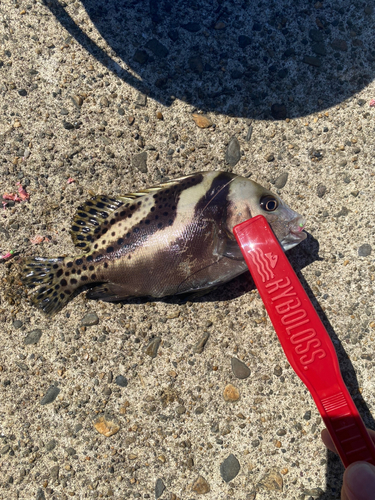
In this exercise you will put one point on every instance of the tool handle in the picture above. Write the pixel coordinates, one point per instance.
(304, 339)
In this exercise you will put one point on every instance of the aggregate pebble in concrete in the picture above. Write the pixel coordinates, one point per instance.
(50, 395)
(90, 319)
(272, 481)
(153, 346)
(51, 445)
(139, 161)
(281, 180)
(233, 153)
(239, 369)
(200, 486)
(200, 345)
(321, 190)
(364, 250)
(121, 381)
(159, 488)
(40, 495)
(229, 468)
(33, 337)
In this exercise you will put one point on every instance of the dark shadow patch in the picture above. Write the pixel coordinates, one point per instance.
(239, 57)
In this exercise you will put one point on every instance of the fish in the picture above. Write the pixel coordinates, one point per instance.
(169, 239)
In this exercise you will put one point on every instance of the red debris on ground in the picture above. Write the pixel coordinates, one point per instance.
(21, 196)
(21, 191)
(38, 239)
(11, 196)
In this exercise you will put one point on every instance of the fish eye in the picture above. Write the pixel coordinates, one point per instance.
(268, 203)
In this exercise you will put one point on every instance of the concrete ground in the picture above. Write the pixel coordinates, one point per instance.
(104, 93)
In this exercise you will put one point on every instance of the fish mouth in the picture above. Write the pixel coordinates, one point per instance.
(296, 235)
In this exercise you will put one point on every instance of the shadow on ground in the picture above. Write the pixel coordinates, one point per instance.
(256, 59)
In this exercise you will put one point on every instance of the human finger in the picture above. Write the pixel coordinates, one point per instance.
(327, 440)
(359, 481)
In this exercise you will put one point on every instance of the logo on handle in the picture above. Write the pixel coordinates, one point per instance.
(264, 263)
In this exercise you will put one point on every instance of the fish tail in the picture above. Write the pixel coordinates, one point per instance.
(55, 290)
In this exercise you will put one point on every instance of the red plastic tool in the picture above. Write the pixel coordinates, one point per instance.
(304, 339)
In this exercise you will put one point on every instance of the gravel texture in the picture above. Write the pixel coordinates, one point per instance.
(143, 399)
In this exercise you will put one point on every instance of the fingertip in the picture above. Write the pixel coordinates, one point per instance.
(327, 440)
(359, 481)
(324, 433)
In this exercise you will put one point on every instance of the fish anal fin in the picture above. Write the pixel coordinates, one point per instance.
(109, 292)
(192, 296)
(91, 215)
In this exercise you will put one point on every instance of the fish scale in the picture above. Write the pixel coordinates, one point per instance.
(169, 239)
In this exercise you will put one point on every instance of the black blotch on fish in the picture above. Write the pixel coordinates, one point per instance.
(215, 196)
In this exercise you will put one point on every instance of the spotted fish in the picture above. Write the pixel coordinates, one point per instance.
(169, 239)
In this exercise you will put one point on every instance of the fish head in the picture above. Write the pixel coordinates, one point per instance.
(246, 199)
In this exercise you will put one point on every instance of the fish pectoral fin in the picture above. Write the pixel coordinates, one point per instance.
(109, 292)
(232, 250)
(90, 217)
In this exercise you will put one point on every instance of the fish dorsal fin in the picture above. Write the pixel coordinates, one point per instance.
(154, 189)
(91, 215)
(94, 212)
